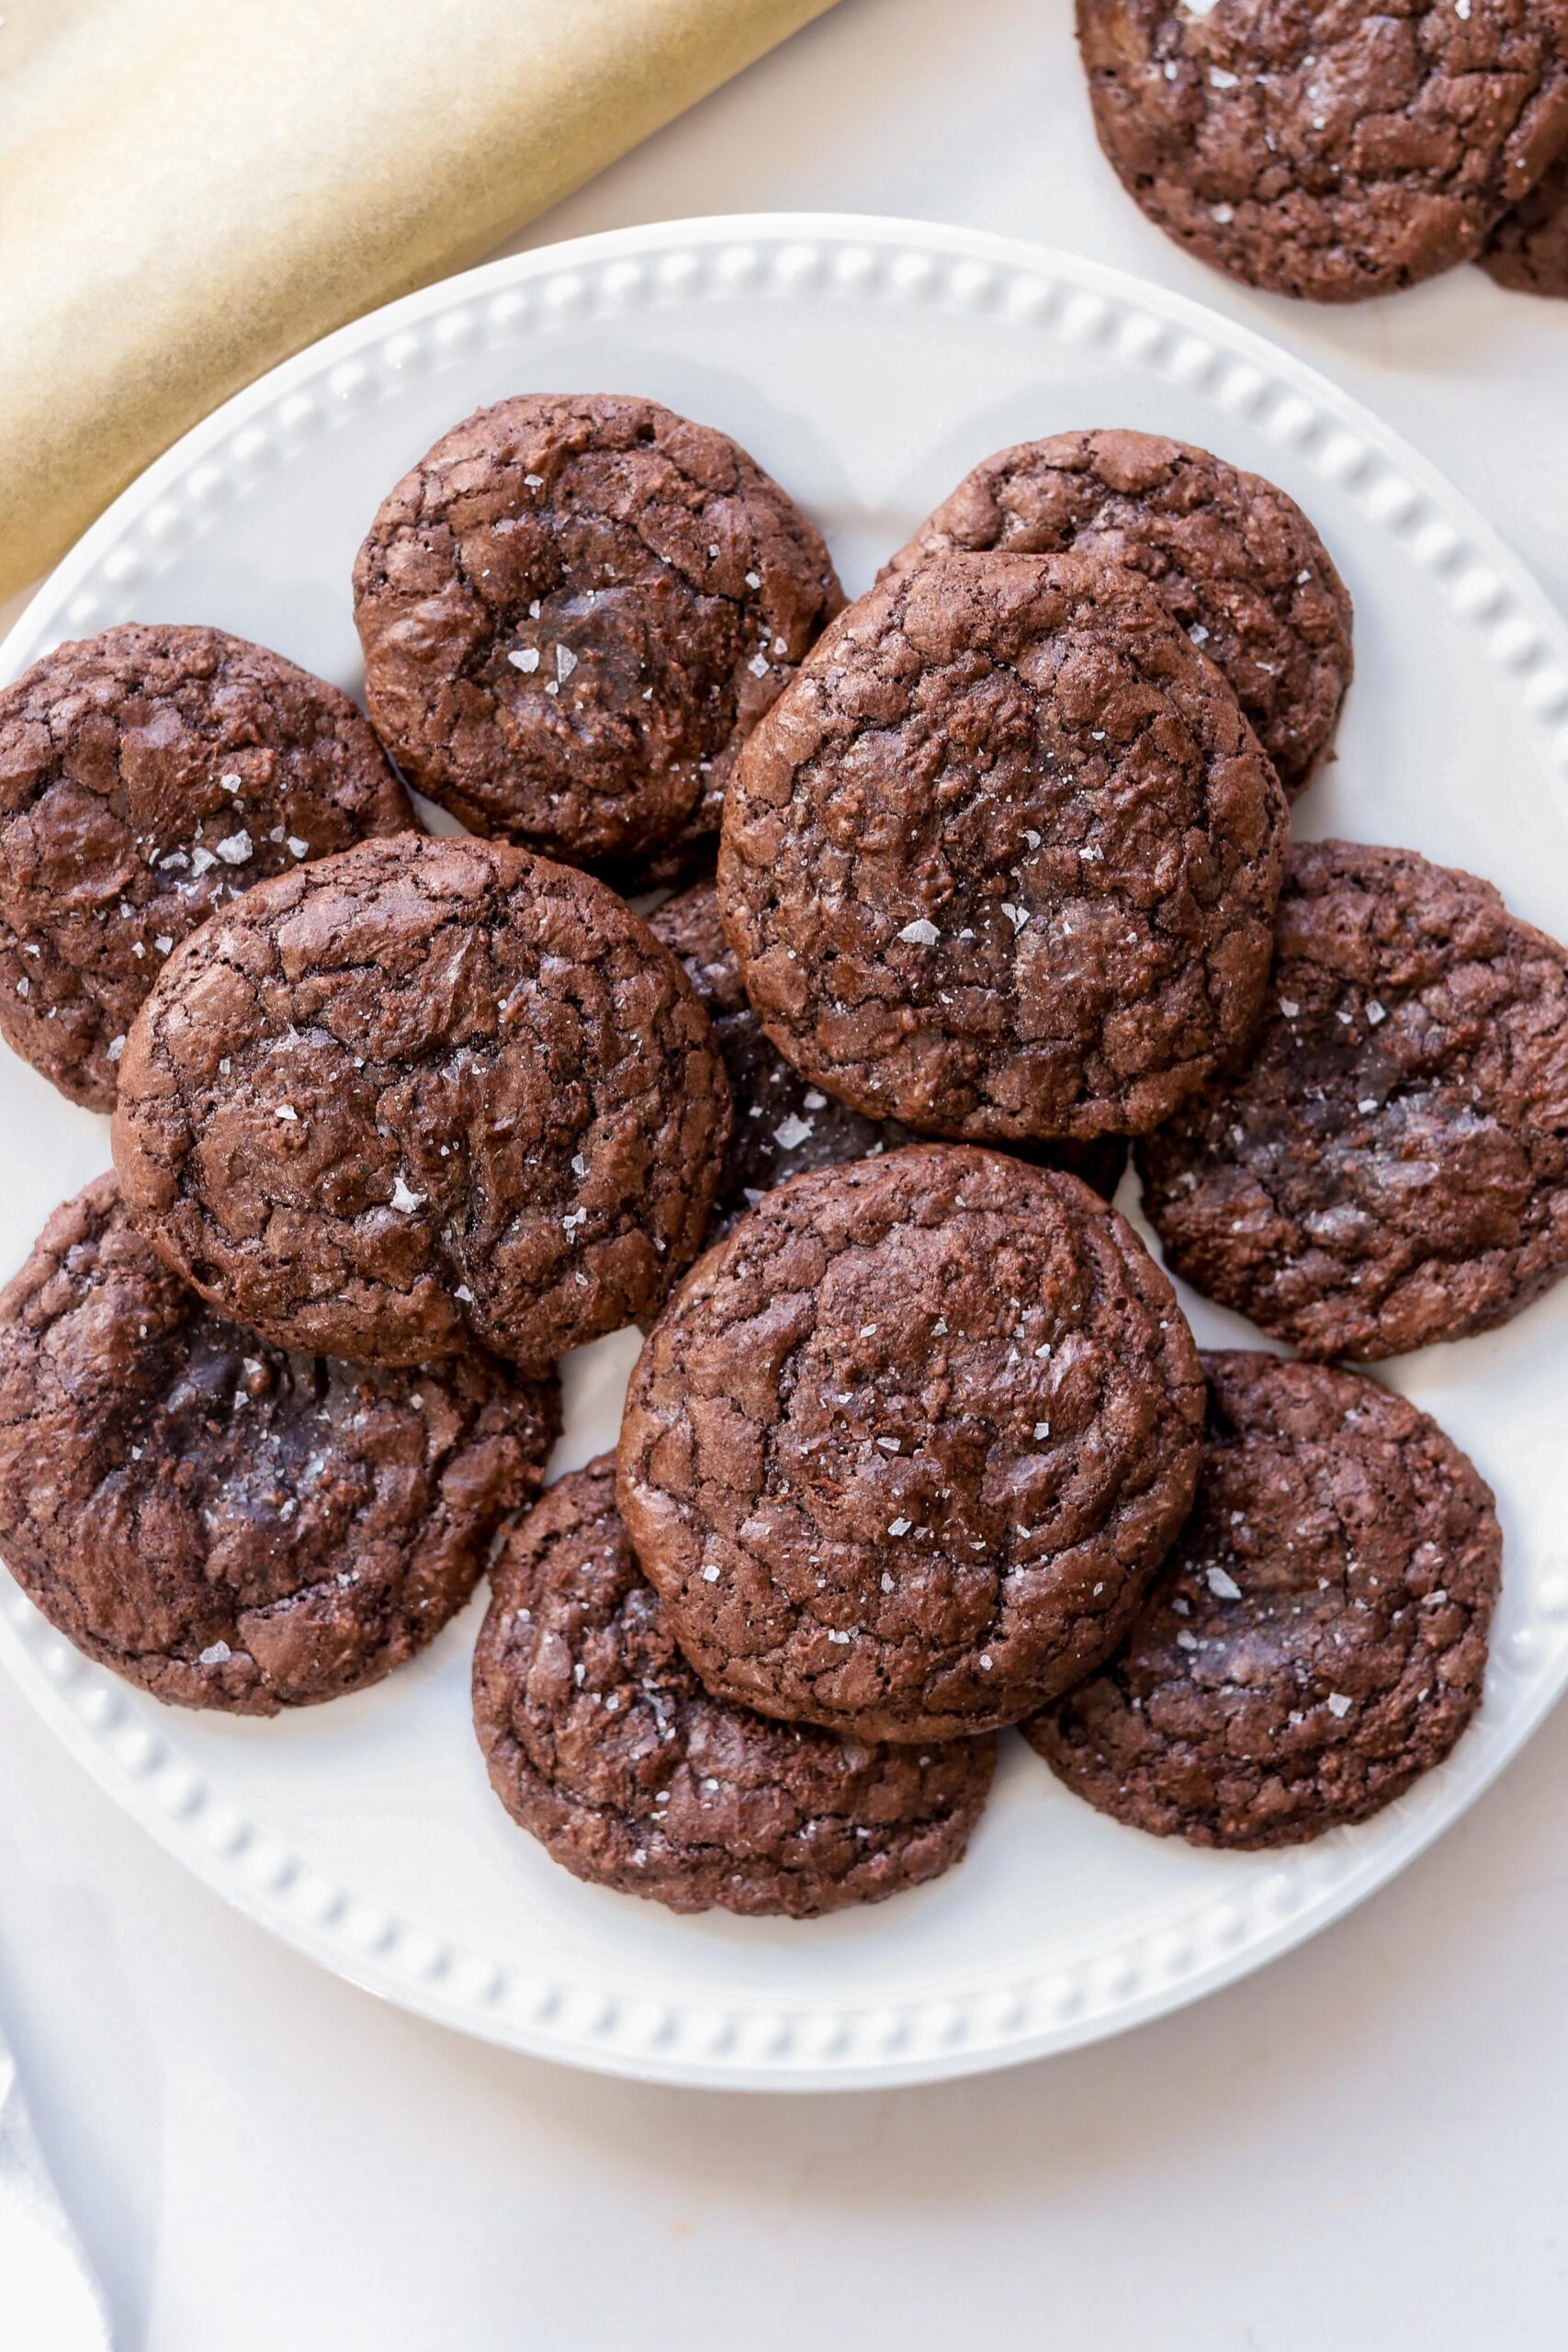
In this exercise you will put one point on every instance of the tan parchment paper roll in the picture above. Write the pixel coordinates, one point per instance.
(191, 190)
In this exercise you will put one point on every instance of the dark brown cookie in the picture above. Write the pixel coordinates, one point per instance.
(222, 1523)
(147, 775)
(1392, 1166)
(601, 1740)
(573, 610)
(1323, 148)
(422, 1093)
(1528, 248)
(1233, 559)
(1317, 1638)
(902, 1452)
(783, 1124)
(1002, 860)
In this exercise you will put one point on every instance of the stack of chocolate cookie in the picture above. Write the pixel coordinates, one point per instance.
(1333, 151)
(986, 876)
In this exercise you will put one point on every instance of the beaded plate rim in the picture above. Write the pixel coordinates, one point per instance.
(991, 2018)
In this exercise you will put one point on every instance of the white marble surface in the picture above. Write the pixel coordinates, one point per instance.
(1362, 2147)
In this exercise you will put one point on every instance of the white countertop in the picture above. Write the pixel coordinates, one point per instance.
(1362, 2147)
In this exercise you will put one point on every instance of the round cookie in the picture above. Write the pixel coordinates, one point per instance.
(1391, 1167)
(1002, 860)
(1234, 559)
(603, 1742)
(1322, 148)
(426, 1093)
(573, 610)
(901, 1453)
(147, 775)
(784, 1125)
(1528, 248)
(1315, 1641)
(220, 1522)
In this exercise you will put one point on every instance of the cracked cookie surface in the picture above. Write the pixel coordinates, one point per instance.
(1528, 248)
(1322, 148)
(1002, 860)
(1391, 1167)
(425, 1092)
(783, 1124)
(901, 1453)
(223, 1523)
(1233, 559)
(573, 610)
(1315, 1640)
(148, 774)
(602, 1741)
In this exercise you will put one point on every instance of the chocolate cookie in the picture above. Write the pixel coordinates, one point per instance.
(1233, 559)
(1528, 248)
(1392, 1166)
(1323, 147)
(1002, 860)
(222, 1523)
(784, 1125)
(1317, 1638)
(422, 1093)
(573, 610)
(147, 775)
(601, 1740)
(901, 1453)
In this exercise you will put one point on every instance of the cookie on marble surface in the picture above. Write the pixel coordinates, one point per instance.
(1321, 147)
(1528, 248)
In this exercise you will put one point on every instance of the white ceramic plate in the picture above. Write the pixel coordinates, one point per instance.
(867, 364)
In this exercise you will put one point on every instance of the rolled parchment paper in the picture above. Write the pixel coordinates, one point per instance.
(192, 189)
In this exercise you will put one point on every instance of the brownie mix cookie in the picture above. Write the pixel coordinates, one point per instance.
(601, 1740)
(1391, 1167)
(784, 1125)
(1323, 147)
(1002, 860)
(1528, 248)
(425, 1092)
(902, 1452)
(1233, 559)
(1317, 1638)
(573, 610)
(225, 1524)
(147, 777)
